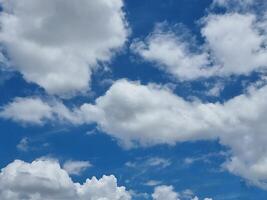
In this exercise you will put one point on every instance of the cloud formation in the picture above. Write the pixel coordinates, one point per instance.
(167, 193)
(57, 44)
(151, 114)
(45, 179)
(60, 57)
(234, 45)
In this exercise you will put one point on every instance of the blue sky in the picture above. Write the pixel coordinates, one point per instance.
(166, 98)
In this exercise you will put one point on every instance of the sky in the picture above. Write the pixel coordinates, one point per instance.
(133, 100)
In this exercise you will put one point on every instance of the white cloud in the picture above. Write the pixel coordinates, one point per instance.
(74, 167)
(147, 114)
(172, 54)
(34, 110)
(27, 110)
(45, 179)
(234, 44)
(57, 44)
(165, 192)
(152, 115)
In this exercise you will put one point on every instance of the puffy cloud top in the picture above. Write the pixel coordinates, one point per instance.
(45, 179)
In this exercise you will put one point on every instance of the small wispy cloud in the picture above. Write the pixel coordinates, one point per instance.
(152, 183)
(23, 145)
(158, 162)
(76, 167)
(204, 158)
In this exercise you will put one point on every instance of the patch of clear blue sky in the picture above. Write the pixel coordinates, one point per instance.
(65, 142)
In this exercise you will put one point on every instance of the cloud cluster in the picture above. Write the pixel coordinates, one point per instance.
(170, 53)
(167, 193)
(234, 45)
(152, 114)
(57, 44)
(45, 179)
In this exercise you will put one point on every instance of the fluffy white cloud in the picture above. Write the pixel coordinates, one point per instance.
(33, 110)
(57, 44)
(148, 115)
(165, 192)
(76, 167)
(172, 54)
(28, 110)
(234, 44)
(45, 179)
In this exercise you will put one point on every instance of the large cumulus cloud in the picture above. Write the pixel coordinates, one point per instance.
(57, 44)
(45, 179)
